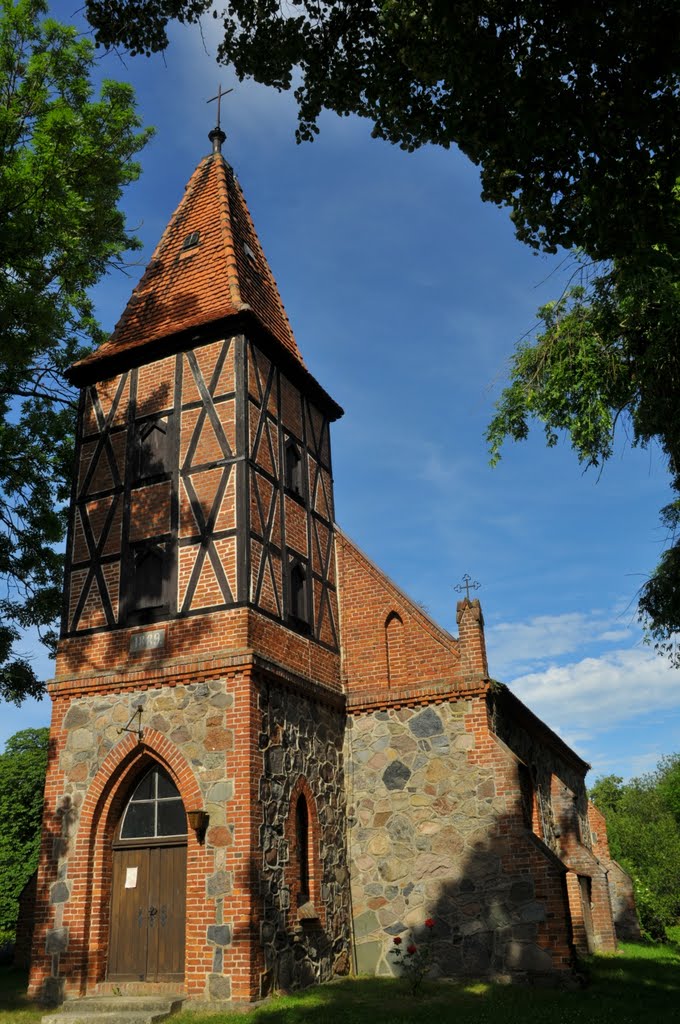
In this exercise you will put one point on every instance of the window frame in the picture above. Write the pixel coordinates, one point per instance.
(299, 615)
(178, 839)
(293, 475)
(139, 615)
(138, 477)
(302, 842)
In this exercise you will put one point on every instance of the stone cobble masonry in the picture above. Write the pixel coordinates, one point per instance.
(301, 743)
(431, 836)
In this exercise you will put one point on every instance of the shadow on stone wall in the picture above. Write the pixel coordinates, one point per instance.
(493, 918)
(439, 830)
(301, 743)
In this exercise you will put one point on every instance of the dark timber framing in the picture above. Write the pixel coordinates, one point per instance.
(260, 484)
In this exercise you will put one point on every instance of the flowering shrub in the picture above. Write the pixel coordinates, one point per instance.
(416, 962)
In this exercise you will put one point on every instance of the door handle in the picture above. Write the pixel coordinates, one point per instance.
(152, 913)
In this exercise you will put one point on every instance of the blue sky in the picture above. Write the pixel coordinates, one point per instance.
(407, 294)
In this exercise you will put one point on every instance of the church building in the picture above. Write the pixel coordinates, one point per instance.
(267, 762)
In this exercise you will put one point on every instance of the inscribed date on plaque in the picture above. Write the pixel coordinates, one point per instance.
(148, 641)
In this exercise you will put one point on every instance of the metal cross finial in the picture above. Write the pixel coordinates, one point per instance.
(219, 96)
(467, 585)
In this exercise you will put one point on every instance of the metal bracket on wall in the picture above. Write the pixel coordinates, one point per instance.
(137, 713)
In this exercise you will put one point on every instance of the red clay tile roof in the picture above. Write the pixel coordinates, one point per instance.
(225, 274)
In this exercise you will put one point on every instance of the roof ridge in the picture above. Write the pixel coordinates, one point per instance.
(433, 627)
(225, 225)
(258, 245)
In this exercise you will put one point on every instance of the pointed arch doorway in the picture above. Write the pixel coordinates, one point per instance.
(148, 885)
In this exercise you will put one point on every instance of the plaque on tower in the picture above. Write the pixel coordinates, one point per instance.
(150, 640)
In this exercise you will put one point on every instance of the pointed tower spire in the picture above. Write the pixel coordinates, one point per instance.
(208, 273)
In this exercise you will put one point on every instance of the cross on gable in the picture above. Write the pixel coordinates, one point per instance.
(467, 585)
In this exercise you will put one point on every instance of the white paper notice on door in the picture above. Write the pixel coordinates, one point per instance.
(131, 878)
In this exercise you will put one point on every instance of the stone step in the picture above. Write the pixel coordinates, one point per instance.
(123, 1009)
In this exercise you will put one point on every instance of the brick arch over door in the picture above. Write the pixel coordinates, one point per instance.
(90, 902)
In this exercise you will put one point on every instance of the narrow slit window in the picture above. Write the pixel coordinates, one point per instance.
(154, 447)
(302, 844)
(293, 463)
(151, 577)
(298, 593)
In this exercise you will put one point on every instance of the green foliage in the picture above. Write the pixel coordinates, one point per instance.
(15, 1008)
(606, 793)
(65, 156)
(568, 110)
(643, 826)
(667, 778)
(607, 355)
(23, 766)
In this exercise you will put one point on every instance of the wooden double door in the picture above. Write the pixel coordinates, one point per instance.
(148, 910)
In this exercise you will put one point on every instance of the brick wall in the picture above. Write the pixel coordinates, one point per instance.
(389, 644)
(557, 777)
(620, 883)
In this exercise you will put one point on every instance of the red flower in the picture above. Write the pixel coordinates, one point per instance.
(397, 940)
(411, 949)
(429, 923)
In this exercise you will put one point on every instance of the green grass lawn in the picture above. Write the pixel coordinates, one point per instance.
(640, 984)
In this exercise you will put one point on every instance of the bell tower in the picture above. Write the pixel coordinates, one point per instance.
(204, 453)
(199, 652)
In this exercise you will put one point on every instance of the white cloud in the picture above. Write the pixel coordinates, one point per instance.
(646, 761)
(594, 695)
(519, 646)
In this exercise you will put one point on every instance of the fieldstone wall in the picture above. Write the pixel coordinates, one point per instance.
(430, 837)
(302, 742)
(623, 904)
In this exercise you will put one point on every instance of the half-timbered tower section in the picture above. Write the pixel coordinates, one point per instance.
(266, 762)
(204, 469)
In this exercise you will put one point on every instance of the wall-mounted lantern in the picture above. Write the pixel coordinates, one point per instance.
(198, 821)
